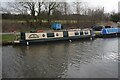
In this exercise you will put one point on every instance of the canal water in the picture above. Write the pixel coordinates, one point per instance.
(78, 59)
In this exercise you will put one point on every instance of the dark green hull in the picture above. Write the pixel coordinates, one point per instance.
(107, 35)
(118, 34)
(69, 39)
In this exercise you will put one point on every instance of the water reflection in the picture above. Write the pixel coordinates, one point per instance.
(0, 62)
(81, 59)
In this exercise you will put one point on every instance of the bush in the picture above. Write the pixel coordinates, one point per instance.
(115, 17)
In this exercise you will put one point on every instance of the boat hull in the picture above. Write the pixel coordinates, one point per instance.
(108, 33)
(68, 39)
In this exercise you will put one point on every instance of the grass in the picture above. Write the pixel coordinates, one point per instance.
(8, 38)
(97, 32)
(45, 21)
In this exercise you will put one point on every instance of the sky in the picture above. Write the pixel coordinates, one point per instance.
(109, 5)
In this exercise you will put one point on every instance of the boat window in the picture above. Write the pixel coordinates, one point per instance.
(57, 34)
(81, 33)
(86, 32)
(50, 34)
(97, 28)
(43, 35)
(76, 33)
(65, 33)
(33, 36)
(107, 26)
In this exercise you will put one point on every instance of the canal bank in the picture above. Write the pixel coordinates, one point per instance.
(8, 43)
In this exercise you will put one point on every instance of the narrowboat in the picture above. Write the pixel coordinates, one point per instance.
(28, 38)
(106, 31)
(118, 34)
(97, 31)
(109, 32)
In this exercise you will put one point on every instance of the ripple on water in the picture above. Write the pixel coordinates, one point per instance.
(80, 59)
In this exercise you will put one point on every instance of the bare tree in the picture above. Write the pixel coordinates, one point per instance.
(40, 4)
(22, 7)
(78, 7)
(65, 8)
(16, 8)
(30, 6)
(4, 10)
(85, 8)
(97, 14)
(50, 6)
